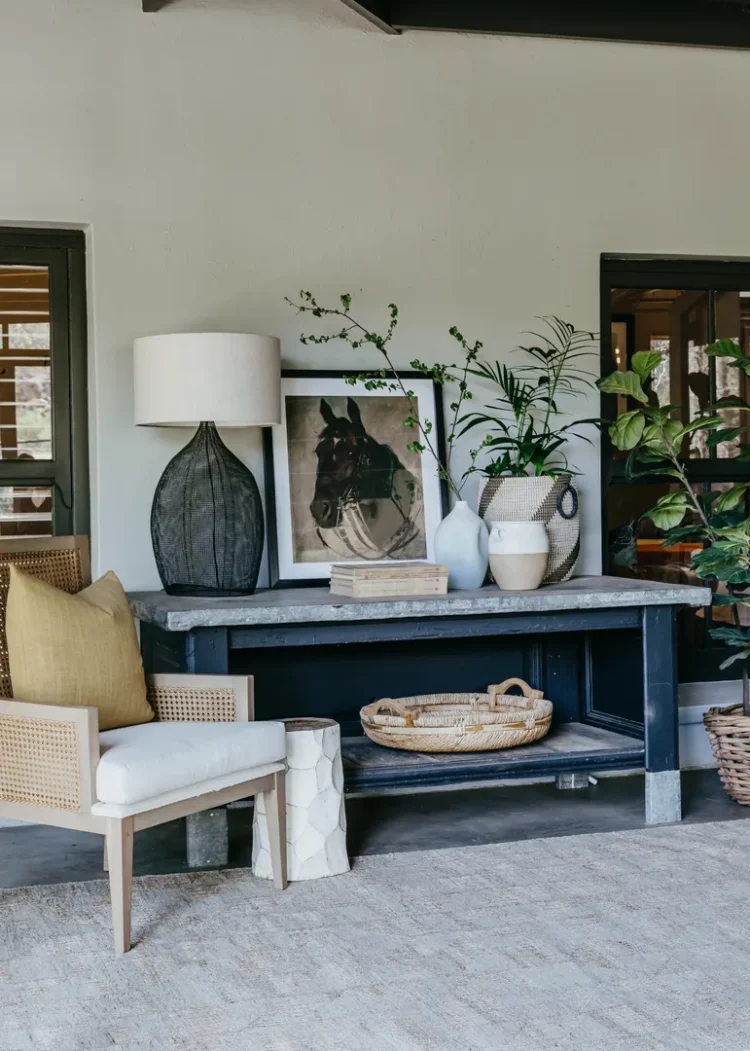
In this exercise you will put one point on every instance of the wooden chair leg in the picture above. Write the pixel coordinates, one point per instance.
(120, 856)
(276, 818)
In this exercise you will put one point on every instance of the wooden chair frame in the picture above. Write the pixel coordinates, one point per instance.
(48, 760)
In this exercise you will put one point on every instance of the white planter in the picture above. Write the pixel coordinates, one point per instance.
(461, 545)
(551, 501)
(519, 553)
(315, 815)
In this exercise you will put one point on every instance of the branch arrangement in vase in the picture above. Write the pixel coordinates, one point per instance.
(523, 432)
(388, 377)
(653, 439)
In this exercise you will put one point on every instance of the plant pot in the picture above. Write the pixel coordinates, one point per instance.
(461, 545)
(729, 733)
(519, 553)
(551, 501)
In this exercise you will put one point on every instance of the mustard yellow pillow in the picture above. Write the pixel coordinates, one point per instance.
(78, 650)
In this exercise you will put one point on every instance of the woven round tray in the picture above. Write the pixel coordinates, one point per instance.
(460, 722)
(729, 734)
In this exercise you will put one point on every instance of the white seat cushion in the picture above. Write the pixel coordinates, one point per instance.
(139, 762)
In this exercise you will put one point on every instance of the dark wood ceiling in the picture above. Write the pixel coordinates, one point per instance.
(707, 23)
(710, 23)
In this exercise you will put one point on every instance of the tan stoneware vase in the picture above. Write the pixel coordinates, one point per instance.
(519, 553)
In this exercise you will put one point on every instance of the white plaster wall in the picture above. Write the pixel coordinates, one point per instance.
(222, 154)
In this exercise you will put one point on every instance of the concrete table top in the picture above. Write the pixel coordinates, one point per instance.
(316, 605)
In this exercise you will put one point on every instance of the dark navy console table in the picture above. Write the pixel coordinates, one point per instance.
(601, 648)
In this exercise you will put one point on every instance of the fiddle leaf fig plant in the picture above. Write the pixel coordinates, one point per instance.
(653, 439)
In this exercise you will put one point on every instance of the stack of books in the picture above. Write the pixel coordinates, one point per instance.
(388, 579)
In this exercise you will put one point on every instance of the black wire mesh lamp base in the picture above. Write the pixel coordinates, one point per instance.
(207, 521)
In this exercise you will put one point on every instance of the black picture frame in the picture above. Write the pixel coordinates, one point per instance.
(275, 581)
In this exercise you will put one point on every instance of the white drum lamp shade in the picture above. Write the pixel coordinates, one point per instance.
(207, 517)
(231, 379)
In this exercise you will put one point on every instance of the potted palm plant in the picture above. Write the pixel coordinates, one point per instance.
(527, 476)
(653, 438)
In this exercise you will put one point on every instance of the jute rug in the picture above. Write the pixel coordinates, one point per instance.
(632, 941)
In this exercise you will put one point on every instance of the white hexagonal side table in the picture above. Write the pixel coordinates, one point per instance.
(315, 814)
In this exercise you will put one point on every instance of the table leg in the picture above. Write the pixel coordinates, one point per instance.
(574, 780)
(207, 839)
(661, 716)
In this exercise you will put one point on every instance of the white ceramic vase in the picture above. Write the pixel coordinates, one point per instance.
(461, 545)
(519, 553)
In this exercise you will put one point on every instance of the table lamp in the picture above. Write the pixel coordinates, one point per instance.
(207, 517)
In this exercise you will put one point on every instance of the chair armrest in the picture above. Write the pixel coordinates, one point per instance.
(201, 698)
(48, 756)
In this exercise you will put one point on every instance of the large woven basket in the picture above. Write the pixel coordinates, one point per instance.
(729, 734)
(460, 722)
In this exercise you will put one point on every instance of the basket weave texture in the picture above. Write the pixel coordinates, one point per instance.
(62, 568)
(729, 733)
(460, 722)
(552, 501)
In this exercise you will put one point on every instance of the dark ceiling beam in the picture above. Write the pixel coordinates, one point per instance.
(717, 23)
(375, 11)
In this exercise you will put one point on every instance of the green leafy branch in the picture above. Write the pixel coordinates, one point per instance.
(359, 336)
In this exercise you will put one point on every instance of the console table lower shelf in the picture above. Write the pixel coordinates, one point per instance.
(569, 747)
(602, 649)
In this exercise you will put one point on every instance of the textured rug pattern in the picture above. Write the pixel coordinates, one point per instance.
(633, 941)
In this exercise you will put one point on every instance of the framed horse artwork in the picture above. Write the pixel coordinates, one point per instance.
(342, 484)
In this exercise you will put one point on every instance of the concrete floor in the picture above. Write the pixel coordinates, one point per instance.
(381, 825)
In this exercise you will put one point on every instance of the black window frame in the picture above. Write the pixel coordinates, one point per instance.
(63, 252)
(691, 273)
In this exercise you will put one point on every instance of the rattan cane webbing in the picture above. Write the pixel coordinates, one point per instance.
(192, 704)
(60, 568)
(39, 762)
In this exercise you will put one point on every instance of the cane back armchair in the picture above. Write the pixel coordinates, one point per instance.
(49, 754)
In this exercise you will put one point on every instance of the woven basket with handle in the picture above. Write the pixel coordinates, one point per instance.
(729, 733)
(460, 722)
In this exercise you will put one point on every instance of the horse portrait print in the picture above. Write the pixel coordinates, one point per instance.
(356, 489)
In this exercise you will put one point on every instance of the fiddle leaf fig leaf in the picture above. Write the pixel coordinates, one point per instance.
(730, 402)
(658, 440)
(644, 363)
(703, 423)
(726, 434)
(724, 560)
(732, 636)
(690, 532)
(627, 383)
(731, 499)
(729, 600)
(741, 656)
(669, 511)
(725, 348)
(627, 429)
